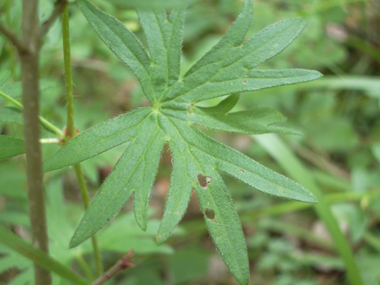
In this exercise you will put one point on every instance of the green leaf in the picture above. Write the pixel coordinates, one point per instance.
(10, 115)
(240, 166)
(210, 64)
(258, 120)
(252, 80)
(215, 201)
(224, 106)
(226, 69)
(122, 42)
(181, 186)
(134, 173)
(157, 4)
(98, 139)
(39, 257)
(10, 147)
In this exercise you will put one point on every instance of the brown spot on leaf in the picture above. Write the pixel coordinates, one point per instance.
(210, 214)
(245, 82)
(241, 171)
(204, 180)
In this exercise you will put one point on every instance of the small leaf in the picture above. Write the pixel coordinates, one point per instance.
(10, 147)
(210, 64)
(157, 4)
(224, 106)
(10, 115)
(122, 42)
(98, 139)
(134, 172)
(258, 120)
(223, 225)
(180, 189)
(253, 80)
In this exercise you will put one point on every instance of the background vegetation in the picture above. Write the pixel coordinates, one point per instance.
(287, 241)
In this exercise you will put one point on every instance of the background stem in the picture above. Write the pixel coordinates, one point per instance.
(70, 129)
(30, 98)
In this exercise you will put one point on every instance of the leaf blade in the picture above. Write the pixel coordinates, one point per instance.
(98, 139)
(108, 202)
(209, 65)
(10, 115)
(225, 227)
(10, 147)
(242, 167)
(122, 42)
(156, 29)
(253, 80)
(214, 198)
(259, 120)
(178, 196)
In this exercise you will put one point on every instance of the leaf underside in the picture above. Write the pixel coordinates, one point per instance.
(227, 69)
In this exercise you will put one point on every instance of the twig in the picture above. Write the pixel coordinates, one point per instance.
(13, 39)
(30, 98)
(122, 264)
(58, 9)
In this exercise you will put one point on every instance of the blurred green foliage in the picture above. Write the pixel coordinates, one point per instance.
(338, 116)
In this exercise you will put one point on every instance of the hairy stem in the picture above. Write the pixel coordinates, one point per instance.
(30, 98)
(70, 129)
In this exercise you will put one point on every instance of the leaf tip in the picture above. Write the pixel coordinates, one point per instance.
(160, 239)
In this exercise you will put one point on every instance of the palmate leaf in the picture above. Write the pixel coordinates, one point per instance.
(226, 69)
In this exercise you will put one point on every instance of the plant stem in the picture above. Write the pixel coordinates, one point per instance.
(85, 267)
(120, 265)
(38, 256)
(30, 98)
(43, 121)
(86, 203)
(70, 129)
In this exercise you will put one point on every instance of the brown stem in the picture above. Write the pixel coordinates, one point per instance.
(122, 264)
(13, 38)
(30, 97)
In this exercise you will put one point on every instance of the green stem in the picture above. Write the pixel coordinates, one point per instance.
(70, 129)
(38, 256)
(43, 121)
(85, 267)
(86, 203)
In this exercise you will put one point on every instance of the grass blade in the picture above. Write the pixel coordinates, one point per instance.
(290, 163)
